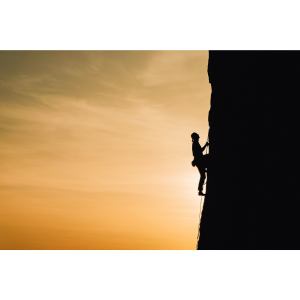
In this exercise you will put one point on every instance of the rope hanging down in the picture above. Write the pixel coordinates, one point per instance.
(202, 201)
(200, 216)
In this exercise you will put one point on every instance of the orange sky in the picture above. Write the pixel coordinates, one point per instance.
(95, 148)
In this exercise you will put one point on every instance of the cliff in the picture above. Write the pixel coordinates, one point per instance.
(253, 188)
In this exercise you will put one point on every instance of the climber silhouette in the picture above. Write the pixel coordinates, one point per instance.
(199, 160)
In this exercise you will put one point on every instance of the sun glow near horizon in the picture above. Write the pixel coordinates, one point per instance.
(95, 148)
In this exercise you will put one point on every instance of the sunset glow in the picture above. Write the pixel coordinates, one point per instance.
(95, 148)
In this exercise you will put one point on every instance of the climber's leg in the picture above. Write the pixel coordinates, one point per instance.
(202, 178)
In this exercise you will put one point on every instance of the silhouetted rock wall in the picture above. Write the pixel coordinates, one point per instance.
(253, 189)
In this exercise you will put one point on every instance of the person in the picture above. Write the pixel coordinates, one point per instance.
(199, 160)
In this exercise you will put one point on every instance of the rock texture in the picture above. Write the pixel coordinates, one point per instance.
(253, 189)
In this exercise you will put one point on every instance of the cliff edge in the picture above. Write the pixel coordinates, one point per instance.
(253, 187)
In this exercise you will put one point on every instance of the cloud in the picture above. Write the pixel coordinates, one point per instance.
(173, 67)
(113, 123)
(71, 106)
(50, 73)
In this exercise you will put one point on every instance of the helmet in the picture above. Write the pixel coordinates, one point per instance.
(195, 136)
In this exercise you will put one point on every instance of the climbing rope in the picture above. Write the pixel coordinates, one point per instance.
(206, 154)
(207, 141)
(200, 215)
(202, 201)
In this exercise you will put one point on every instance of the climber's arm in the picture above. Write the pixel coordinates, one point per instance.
(203, 148)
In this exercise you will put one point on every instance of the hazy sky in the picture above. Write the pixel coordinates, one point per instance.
(95, 148)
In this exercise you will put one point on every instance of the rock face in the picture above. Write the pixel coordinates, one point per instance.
(253, 189)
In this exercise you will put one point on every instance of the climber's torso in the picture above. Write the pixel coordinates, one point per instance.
(197, 152)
